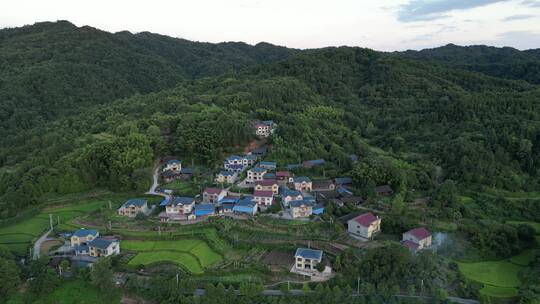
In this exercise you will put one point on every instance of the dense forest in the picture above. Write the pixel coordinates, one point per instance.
(104, 106)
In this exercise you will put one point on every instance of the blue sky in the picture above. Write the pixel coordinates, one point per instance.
(379, 24)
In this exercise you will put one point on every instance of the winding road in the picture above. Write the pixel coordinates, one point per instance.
(155, 177)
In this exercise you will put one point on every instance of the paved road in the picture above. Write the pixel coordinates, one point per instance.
(37, 244)
(155, 184)
(299, 292)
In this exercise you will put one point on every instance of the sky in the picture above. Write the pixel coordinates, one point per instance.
(385, 25)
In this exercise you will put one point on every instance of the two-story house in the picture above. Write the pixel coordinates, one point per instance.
(307, 259)
(264, 128)
(303, 183)
(178, 208)
(213, 195)
(255, 174)
(417, 239)
(101, 247)
(263, 198)
(134, 206)
(83, 236)
(301, 209)
(173, 165)
(288, 195)
(283, 177)
(228, 177)
(364, 226)
(267, 185)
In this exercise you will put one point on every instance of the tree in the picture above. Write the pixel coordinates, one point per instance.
(101, 274)
(10, 276)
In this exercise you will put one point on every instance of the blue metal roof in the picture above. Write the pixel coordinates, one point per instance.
(100, 243)
(269, 176)
(85, 232)
(173, 161)
(289, 192)
(81, 248)
(137, 202)
(226, 173)
(233, 157)
(258, 169)
(228, 200)
(268, 163)
(343, 180)
(300, 179)
(165, 201)
(204, 207)
(293, 166)
(309, 253)
(182, 200)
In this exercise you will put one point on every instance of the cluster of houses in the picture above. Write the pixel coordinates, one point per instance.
(88, 242)
(365, 226)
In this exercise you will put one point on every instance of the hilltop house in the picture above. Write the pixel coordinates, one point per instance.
(263, 198)
(228, 177)
(264, 128)
(302, 183)
(364, 226)
(313, 163)
(255, 174)
(133, 207)
(268, 165)
(245, 206)
(324, 185)
(417, 239)
(267, 185)
(283, 177)
(301, 208)
(213, 195)
(288, 195)
(83, 236)
(101, 247)
(307, 259)
(204, 210)
(384, 190)
(173, 165)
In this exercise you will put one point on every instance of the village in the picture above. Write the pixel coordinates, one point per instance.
(247, 186)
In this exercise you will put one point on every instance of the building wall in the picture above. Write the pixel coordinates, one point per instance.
(302, 263)
(365, 232)
(301, 212)
(303, 186)
(76, 241)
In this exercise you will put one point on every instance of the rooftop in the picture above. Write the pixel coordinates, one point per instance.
(204, 207)
(100, 243)
(366, 219)
(182, 200)
(137, 202)
(301, 179)
(257, 169)
(85, 232)
(261, 193)
(419, 233)
(173, 161)
(309, 254)
(210, 190)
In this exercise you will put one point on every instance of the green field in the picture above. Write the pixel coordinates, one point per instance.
(187, 260)
(534, 225)
(500, 278)
(498, 292)
(182, 187)
(18, 237)
(194, 255)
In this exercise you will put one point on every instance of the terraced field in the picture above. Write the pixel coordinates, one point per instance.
(18, 237)
(192, 254)
(500, 278)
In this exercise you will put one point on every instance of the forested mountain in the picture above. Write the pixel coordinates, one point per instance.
(55, 68)
(504, 62)
(413, 123)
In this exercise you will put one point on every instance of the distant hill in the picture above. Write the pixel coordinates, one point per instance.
(53, 68)
(504, 62)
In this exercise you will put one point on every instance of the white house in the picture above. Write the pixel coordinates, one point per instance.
(173, 165)
(263, 198)
(101, 247)
(255, 174)
(364, 226)
(417, 239)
